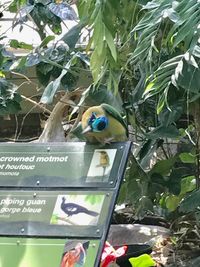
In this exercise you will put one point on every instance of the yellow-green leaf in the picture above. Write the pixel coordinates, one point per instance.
(172, 202)
(96, 63)
(2, 75)
(98, 35)
(111, 44)
(142, 261)
(149, 86)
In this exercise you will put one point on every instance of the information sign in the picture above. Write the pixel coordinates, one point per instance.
(61, 165)
(56, 202)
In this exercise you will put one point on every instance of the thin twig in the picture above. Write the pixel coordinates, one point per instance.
(73, 105)
(78, 118)
(36, 104)
(17, 126)
(25, 77)
(22, 124)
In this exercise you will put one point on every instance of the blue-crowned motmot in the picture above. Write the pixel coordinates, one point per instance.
(103, 124)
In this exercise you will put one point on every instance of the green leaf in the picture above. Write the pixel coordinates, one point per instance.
(163, 167)
(96, 63)
(143, 206)
(164, 132)
(49, 92)
(172, 202)
(51, 89)
(99, 33)
(151, 5)
(83, 57)
(186, 28)
(16, 44)
(72, 36)
(147, 150)
(191, 202)
(53, 86)
(188, 184)
(174, 180)
(144, 260)
(187, 158)
(9, 98)
(137, 184)
(16, 4)
(111, 44)
(33, 59)
(189, 78)
(196, 51)
(164, 77)
(167, 116)
(63, 11)
(47, 40)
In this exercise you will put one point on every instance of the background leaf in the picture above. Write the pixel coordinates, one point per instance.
(63, 11)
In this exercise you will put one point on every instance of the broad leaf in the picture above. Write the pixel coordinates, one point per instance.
(147, 150)
(172, 202)
(163, 167)
(16, 44)
(9, 98)
(33, 59)
(47, 40)
(188, 184)
(174, 180)
(187, 158)
(164, 132)
(49, 92)
(55, 85)
(72, 36)
(63, 11)
(111, 43)
(191, 202)
(189, 78)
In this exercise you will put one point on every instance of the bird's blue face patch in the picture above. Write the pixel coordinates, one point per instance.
(99, 124)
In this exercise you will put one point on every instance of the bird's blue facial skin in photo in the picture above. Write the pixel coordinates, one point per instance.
(98, 124)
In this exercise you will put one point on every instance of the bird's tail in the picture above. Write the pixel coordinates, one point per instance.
(92, 213)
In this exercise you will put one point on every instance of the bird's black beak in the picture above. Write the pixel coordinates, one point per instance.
(87, 129)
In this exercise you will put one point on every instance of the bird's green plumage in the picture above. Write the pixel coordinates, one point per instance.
(115, 114)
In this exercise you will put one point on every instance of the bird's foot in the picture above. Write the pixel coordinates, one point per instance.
(105, 141)
(108, 140)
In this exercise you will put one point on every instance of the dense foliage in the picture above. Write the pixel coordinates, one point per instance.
(148, 52)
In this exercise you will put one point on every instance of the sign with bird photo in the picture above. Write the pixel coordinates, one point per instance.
(56, 201)
(40, 252)
(62, 164)
(50, 213)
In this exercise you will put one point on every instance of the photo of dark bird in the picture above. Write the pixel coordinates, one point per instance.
(72, 209)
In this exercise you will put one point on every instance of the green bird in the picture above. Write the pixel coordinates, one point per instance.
(103, 124)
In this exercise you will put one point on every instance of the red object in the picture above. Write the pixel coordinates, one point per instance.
(73, 256)
(110, 254)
